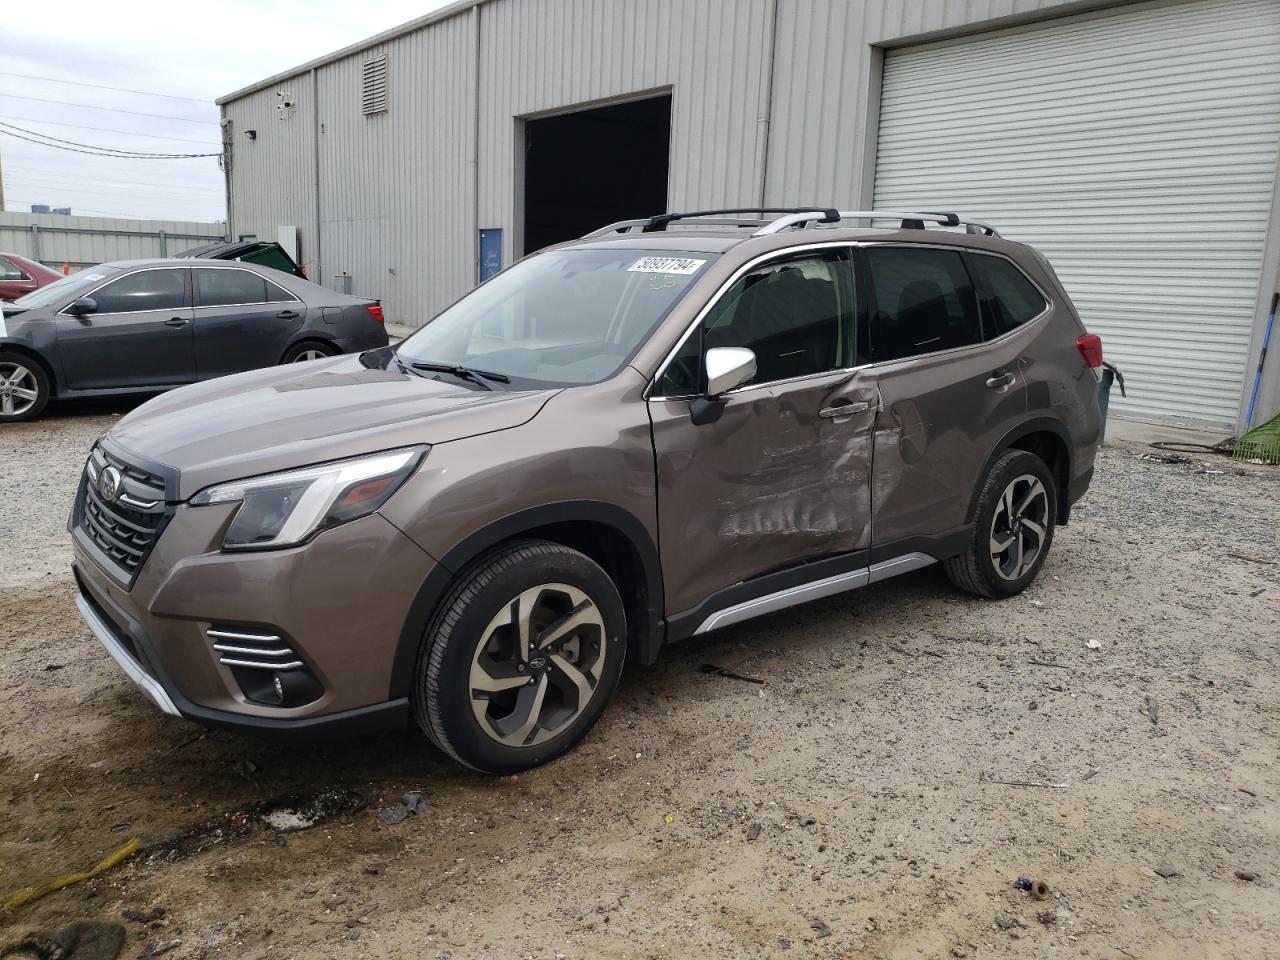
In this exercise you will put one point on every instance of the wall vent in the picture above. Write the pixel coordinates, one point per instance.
(373, 86)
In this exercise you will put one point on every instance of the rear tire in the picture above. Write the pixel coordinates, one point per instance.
(520, 658)
(309, 350)
(24, 387)
(1013, 528)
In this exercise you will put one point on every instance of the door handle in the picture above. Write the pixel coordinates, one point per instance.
(288, 315)
(1000, 379)
(846, 409)
(176, 322)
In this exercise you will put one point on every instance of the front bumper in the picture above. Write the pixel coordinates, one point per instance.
(340, 600)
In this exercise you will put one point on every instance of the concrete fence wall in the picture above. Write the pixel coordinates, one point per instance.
(54, 239)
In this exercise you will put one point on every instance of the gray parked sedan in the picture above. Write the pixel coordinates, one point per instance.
(143, 326)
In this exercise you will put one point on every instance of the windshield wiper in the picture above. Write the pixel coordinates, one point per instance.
(463, 373)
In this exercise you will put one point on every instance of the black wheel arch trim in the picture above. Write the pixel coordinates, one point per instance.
(1024, 429)
(510, 527)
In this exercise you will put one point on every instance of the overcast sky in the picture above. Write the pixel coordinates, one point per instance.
(190, 53)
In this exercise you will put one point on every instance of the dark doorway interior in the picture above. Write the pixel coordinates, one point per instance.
(587, 169)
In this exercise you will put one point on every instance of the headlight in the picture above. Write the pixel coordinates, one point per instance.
(284, 509)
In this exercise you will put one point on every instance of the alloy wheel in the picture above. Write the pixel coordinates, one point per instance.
(19, 389)
(306, 355)
(537, 664)
(1019, 526)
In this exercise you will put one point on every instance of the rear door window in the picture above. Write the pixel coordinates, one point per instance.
(1009, 298)
(217, 288)
(146, 290)
(922, 301)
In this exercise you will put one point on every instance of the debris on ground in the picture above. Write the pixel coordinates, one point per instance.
(1038, 889)
(753, 831)
(83, 940)
(722, 672)
(158, 948)
(305, 810)
(290, 813)
(1093, 644)
(411, 804)
(24, 896)
(992, 778)
(1248, 876)
(1151, 708)
(1167, 871)
(820, 929)
(154, 915)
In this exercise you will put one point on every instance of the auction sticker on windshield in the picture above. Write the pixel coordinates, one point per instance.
(676, 265)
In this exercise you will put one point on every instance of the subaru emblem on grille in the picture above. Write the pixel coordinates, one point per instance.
(109, 484)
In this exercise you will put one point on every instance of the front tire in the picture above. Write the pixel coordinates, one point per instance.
(1013, 529)
(24, 387)
(521, 657)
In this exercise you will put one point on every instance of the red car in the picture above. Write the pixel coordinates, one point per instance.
(19, 276)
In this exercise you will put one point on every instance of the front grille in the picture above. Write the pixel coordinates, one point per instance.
(252, 648)
(125, 528)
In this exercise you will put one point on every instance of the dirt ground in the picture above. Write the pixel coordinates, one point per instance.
(849, 806)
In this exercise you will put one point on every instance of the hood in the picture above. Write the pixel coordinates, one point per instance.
(295, 415)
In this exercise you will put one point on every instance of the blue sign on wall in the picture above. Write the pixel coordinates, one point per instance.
(490, 253)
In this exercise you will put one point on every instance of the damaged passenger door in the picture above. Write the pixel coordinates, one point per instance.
(774, 472)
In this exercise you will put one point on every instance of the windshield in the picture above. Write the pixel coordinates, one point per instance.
(563, 317)
(68, 288)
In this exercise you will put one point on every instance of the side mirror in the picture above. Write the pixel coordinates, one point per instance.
(727, 367)
(83, 307)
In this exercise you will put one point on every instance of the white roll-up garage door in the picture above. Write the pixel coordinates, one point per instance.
(1137, 149)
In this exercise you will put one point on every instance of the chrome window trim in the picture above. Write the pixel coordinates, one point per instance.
(780, 254)
(121, 276)
(195, 290)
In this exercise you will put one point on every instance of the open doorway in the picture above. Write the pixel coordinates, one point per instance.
(586, 169)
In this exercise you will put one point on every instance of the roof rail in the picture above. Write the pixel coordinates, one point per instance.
(661, 221)
(910, 221)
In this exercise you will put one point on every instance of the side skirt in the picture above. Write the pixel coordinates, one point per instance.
(796, 585)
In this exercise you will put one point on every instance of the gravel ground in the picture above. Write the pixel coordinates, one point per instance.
(849, 806)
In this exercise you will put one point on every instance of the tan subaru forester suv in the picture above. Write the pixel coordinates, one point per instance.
(664, 428)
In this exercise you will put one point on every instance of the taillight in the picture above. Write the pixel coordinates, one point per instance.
(1090, 345)
(375, 311)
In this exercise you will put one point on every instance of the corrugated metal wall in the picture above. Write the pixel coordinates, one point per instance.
(1137, 149)
(404, 193)
(273, 175)
(544, 55)
(825, 87)
(85, 241)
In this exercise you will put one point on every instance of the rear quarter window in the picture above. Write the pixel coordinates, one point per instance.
(1009, 298)
(923, 302)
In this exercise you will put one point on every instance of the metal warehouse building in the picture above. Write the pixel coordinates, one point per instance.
(1134, 143)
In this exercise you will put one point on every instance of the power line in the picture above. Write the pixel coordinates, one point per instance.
(66, 186)
(116, 213)
(103, 86)
(90, 106)
(74, 147)
(127, 133)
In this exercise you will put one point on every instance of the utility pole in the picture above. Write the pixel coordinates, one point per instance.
(1, 184)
